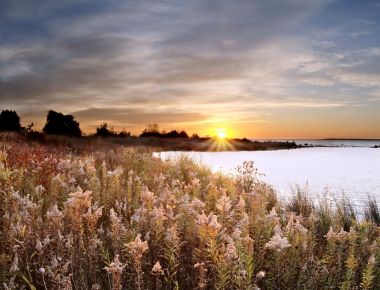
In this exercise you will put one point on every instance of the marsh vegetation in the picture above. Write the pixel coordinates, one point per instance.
(107, 217)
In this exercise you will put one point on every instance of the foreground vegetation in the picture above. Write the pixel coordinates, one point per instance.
(96, 216)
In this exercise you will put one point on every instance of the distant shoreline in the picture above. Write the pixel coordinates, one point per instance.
(200, 144)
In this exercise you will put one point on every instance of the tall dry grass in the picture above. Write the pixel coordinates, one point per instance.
(75, 217)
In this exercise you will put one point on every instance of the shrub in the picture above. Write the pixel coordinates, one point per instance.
(9, 121)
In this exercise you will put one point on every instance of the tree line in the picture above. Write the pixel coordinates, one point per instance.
(60, 124)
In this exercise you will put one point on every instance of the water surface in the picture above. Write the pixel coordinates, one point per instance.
(350, 171)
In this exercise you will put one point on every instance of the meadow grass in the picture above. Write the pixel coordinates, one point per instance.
(105, 217)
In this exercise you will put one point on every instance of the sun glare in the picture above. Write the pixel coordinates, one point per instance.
(221, 133)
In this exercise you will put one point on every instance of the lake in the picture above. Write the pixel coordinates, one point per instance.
(350, 171)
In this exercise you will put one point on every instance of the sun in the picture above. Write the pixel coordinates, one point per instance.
(221, 133)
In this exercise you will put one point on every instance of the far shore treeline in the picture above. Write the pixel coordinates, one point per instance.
(59, 125)
(66, 125)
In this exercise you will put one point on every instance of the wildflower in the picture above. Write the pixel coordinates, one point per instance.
(300, 228)
(115, 267)
(147, 236)
(100, 230)
(39, 245)
(54, 262)
(294, 224)
(117, 172)
(147, 196)
(137, 247)
(224, 204)
(277, 230)
(69, 241)
(312, 218)
(58, 180)
(40, 189)
(158, 214)
(340, 236)
(330, 234)
(14, 266)
(277, 243)
(65, 284)
(46, 241)
(157, 269)
(342, 233)
(139, 215)
(243, 273)
(159, 178)
(260, 274)
(248, 243)
(236, 234)
(196, 204)
(240, 206)
(228, 239)
(72, 180)
(372, 260)
(231, 252)
(171, 235)
(54, 212)
(201, 218)
(213, 222)
(273, 214)
(79, 199)
(113, 217)
(202, 274)
(197, 265)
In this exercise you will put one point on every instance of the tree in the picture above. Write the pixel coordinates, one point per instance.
(183, 134)
(9, 121)
(104, 131)
(60, 124)
(176, 134)
(152, 130)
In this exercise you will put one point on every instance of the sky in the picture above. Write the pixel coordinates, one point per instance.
(257, 68)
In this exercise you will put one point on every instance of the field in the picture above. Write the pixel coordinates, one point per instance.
(96, 215)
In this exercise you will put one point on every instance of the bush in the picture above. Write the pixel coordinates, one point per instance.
(9, 121)
(59, 124)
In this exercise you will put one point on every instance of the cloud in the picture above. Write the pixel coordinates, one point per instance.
(137, 62)
(133, 116)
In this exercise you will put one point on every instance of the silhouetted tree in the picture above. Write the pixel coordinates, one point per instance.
(60, 124)
(183, 134)
(172, 134)
(153, 128)
(9, 121)
(104, 131)
(176, 134)
(151, 131)
(124, 134)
